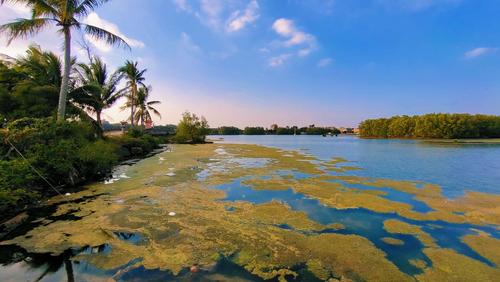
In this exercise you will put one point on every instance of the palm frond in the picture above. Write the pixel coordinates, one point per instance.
(155, 111)
(153, 103)
(38, 7)
(102, 34)
(23, 28)
(86, 6)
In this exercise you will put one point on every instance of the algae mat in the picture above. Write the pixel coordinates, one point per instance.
(227, 212)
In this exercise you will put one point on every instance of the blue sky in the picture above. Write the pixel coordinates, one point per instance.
(324, 62)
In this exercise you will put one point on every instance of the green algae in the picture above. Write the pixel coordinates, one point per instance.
(400, 227)
(392, 241)
(203, 230)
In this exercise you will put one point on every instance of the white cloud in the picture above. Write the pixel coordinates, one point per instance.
(304, 52)
(477, 52)
(416, 5)
(286, 28)
(238, 20)
(94, 19)
(182, 5)
(324, 62)
(210, 13)
(19, 10)
(279, 60)
(303, 43)
(188, 44)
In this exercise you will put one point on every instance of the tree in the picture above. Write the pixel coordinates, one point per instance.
(30, 86)
(103, 88)
(144, 106)
(135, 78)
(191, 129)
(65, 14)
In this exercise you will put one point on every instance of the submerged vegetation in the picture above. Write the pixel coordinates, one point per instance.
(188, 209)
(446, 126)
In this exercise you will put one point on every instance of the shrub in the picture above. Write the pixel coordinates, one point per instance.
(191, 129)
(15, 177)
(98, 158)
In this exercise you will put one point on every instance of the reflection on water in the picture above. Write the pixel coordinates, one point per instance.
(366, 223)
(456, 168)
(391, 194)
(18, 265)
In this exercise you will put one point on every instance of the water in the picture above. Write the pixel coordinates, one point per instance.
(456, 168)
(366, 223)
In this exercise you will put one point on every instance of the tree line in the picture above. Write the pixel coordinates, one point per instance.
(274, 130)
(438, 125)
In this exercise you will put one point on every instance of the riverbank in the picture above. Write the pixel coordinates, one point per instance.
(483, 141)
(191, 210)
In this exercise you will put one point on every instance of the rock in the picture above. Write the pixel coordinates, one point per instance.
(194, 269)
(171, 213)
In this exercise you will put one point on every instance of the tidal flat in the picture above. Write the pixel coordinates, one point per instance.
(230, 212)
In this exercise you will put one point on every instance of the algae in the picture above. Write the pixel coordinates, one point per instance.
(205, 229)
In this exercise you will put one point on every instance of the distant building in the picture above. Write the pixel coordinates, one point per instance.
(348, 130)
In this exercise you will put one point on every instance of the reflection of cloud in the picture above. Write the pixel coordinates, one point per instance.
(94, 19)
(239, 20)
(477, 52)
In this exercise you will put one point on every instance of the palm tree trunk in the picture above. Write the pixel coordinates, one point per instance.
(98, 118)
(99, 123)
(132, 103)
(63, 92)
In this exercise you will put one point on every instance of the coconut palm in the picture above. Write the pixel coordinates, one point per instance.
(65, 14)
(103, 89)
(135, 79)
(145, 107)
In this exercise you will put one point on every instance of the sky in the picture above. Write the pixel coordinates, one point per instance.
(299, 62)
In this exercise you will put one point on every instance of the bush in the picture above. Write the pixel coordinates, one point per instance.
(191, 129)
(135, 132)
(128, 146)
(97, 159)
(15, 177)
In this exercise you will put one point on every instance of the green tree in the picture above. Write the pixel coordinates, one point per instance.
(135, 79)
(103, 89)
(30, 87)
(191, 129)
(65, 14)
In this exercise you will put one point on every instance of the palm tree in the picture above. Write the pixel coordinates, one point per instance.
(135, 78)
(145, 107)
(103, 89)
(65, 14)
